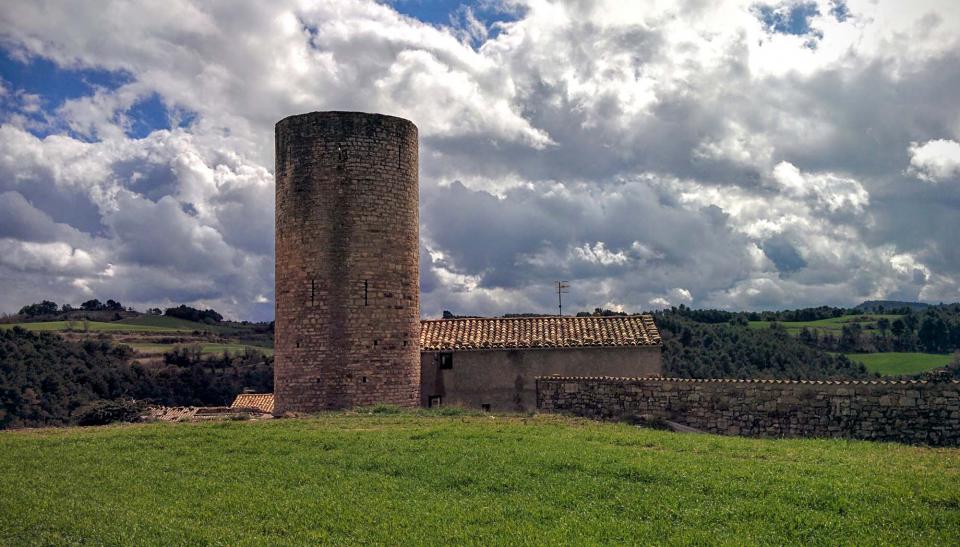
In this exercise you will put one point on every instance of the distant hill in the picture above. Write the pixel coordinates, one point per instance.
(874, 305)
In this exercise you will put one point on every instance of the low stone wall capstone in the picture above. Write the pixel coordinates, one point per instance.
(910, 411)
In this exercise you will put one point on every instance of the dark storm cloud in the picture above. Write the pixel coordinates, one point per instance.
(20, 220)
(784, 255)
(623, 237)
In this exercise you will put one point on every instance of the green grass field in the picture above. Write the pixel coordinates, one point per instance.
(205, 348)
(419, 479)
(897, 363)
(833, 324)
(93, 326)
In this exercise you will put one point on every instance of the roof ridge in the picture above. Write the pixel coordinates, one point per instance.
(537, 317)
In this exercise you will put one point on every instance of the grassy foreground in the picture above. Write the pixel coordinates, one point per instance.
(401, 479)
(901, 363)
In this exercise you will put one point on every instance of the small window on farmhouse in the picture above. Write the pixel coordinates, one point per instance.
(485, 407)
(433, 402)
(446, 361)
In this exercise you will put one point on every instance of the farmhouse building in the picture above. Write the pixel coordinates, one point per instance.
(491, 363)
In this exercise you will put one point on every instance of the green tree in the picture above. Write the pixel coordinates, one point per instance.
(933, 334)
(43, 308)
(884, 325)
(92, 305)
(850, 337)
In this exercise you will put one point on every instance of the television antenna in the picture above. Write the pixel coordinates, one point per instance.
(563, 288)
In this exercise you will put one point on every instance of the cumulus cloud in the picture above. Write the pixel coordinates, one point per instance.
(148, 222)
(599, 254)
(936, 160)
(829, 192)
(734, 153)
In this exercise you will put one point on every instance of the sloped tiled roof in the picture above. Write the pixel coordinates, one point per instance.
(171, 413)
(538, 332)
(260, 401)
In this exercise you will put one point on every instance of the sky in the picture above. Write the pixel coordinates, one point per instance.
(726, 154)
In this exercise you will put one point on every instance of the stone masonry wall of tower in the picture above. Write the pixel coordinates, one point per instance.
(347, 262)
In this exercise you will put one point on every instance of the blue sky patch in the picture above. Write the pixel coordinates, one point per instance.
(790, 18)
(839, 10)
(150, 114)
(451, 12)
(55, 84)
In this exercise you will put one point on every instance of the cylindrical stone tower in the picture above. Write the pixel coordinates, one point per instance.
(347, 262)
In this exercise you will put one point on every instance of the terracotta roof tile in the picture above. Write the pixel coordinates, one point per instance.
(172, 413)
(538, 332)
(260, 401)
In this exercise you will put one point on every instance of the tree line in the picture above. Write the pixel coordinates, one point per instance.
(935, 329)
(693, 349)
(46, 380)
(49, 310)
(47, 307)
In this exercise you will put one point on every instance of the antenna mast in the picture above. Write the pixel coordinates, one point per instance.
(562, 288)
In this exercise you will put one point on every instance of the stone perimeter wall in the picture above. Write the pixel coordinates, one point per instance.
(347, 262)
(910, 411)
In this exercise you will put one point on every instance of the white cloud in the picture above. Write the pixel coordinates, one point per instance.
(935, 161)
(652, 153)
(659, 303)
(830, 191)
(599, 254)
(201, 217)
(59, 258)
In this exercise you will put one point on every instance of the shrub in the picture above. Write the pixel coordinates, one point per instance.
(105, 411)
(193, 314)
(453, 410)
(382, 409)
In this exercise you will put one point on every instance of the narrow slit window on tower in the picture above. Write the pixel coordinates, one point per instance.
(366, 287)
(313, 290)
(400, 151)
